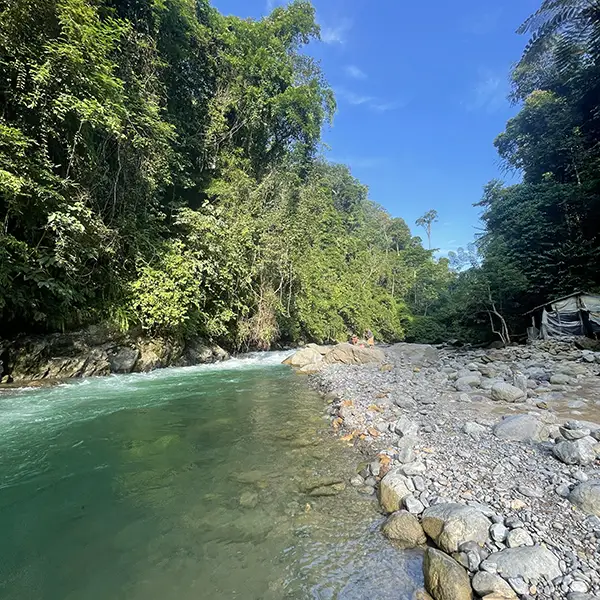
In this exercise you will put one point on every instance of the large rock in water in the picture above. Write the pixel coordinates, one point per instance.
(521, 428)
(504, 392)
(348, 354)
(529, 562)
(302, 358)
(157, 353)
(580, 452)
(587, 497)
(394, 487)
(122, 360)
(405, 529)
(445, 579)
(449, 525)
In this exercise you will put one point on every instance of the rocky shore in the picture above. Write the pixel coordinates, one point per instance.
(487, 459)
(95, 351)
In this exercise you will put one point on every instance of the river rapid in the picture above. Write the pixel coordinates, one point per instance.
(186, 483)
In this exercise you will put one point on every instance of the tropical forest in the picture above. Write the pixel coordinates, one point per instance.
(161, 167)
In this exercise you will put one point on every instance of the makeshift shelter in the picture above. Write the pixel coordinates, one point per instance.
(577, 314)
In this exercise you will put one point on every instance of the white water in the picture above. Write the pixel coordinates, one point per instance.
(89, 398)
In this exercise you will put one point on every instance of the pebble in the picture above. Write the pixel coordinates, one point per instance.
(518, 585)
(530, 492)
(498, 532)
(413, 505)
(563, 490)
(357, 481)
(519, 537)
(579, 587)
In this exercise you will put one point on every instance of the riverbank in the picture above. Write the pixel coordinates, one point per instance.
(96, 351)
(511, 434)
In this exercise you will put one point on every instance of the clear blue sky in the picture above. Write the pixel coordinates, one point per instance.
(421, 90)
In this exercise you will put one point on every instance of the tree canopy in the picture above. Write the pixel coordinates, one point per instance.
(160, 168)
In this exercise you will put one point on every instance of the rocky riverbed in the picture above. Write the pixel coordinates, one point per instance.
(488, 459)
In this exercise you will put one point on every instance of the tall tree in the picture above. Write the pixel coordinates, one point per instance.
(426, 222)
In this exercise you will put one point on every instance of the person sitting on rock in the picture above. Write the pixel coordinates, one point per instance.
(370, 338)
(354, 339)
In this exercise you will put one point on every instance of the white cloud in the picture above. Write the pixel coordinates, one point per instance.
(384, 106)
(371, 102)
(353, 98)
(355, 72)
(490, 92)
(335, 34)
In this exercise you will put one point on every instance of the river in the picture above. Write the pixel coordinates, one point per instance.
(187, 484)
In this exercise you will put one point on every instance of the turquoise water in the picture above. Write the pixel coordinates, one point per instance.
(185, 484)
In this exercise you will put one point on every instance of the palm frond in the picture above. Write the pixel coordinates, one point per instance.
(557, 22)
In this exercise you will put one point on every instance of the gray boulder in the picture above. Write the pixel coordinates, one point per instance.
(490, 583)
(123, 359)
(593, 427)
(574, 430)
(519, 537)
(521, 428)
(466, 383)
(587, 497)
(561, 379)
(445, 579)
(473, 429)
(529, 562)
(579, 452)
(348, 354)
(405, 427)
(405, 530)
(504, 392)
(304, 357)
(393, 488)
(450, 525)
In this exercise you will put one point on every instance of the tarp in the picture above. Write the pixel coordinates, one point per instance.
(569, 305)
(576, 315)
(590, 303)
(557, 323)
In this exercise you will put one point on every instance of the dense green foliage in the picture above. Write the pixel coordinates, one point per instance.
(542, 236)
(159, 168)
